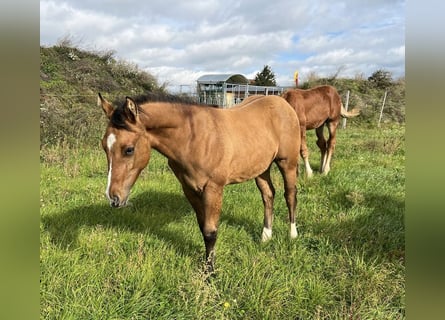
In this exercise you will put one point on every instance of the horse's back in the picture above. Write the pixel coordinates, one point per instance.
(315, 106)
(264, 115)
(263, 104)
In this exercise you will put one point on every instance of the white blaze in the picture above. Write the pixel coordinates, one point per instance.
(111, 139)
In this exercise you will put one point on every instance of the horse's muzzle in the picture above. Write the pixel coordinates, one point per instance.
(116, 202)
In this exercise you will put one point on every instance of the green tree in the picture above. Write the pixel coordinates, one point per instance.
(266, 77)
(381, 79)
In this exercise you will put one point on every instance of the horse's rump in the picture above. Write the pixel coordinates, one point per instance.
(258, 132)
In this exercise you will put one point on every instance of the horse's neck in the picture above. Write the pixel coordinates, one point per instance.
(167, 127)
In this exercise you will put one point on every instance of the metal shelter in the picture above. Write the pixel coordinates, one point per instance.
(226, 90)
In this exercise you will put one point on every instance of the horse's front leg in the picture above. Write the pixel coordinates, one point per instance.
(207, 205)
(208, 220)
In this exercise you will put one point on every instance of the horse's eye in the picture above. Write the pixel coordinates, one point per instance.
(129, 151)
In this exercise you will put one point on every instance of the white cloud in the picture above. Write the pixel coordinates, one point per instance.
(398, 52)
(332, 57)
(179, 41)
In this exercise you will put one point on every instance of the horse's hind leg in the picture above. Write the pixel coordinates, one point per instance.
(288, 169)
(321, 143)
(264, 184)
(305, 153)
(332, 127)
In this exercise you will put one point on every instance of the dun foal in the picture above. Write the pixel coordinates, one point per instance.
(207, 148)
(316, 108)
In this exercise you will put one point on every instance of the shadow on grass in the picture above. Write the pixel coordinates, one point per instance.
(149, 213)
(369, 224)
(378, 233)
(253, 226)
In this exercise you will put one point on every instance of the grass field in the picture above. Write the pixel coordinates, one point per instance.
(145, 261)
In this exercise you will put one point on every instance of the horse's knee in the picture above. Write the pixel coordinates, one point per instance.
(210, 236)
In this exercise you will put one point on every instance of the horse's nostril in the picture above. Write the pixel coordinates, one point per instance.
(115, 201)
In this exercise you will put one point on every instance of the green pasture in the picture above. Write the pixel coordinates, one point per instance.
(145, 261)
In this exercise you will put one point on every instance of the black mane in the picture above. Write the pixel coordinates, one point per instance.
(161, 97)
(119, 118)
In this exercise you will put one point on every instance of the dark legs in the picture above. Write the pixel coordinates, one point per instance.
(207, 206)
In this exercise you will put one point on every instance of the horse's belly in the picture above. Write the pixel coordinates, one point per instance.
(249, 167)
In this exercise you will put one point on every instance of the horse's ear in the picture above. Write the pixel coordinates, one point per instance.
(106, 106)
(131, 109)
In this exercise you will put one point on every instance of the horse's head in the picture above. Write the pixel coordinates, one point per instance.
(127, 148)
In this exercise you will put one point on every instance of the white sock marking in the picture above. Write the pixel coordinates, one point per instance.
(293, 231)
(309, 172)
(267, 234)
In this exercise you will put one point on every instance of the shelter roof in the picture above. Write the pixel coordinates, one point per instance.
(219, 78)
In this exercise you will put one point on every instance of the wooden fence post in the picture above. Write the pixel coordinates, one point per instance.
(381, 110)
(346, 107)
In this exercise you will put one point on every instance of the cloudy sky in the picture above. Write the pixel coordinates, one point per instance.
(178, 41)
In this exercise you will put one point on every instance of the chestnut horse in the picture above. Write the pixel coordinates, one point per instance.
(316, 108)
(207, 148)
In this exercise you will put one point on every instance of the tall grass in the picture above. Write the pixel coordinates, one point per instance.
(145, 261)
